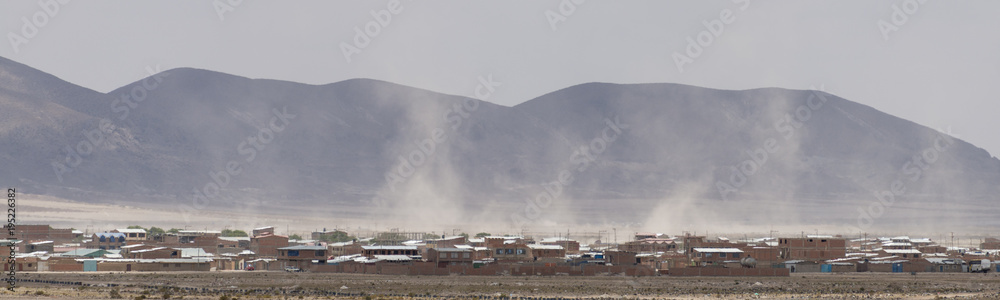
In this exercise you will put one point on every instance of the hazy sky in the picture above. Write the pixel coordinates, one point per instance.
(938, 64)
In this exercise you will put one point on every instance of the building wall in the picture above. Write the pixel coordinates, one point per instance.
(812, 248)
(268, 245)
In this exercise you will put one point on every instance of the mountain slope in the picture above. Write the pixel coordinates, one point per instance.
(661, 154)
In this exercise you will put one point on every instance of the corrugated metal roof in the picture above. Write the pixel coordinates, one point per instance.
(718, 250)
(901, 251)
(389, 247)
(301, 247)
(545, 247)
(452, 250)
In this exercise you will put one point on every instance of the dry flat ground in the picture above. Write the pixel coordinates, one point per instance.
(282, 285)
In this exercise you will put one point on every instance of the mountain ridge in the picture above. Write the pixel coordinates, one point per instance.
(668, 152)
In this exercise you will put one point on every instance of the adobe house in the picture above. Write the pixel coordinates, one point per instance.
(449, 256)
(301, 257)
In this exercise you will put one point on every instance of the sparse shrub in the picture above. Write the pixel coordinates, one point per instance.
(223, 297)
(114, 294)
(39, 293)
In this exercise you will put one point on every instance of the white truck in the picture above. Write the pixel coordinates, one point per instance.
(979, 266)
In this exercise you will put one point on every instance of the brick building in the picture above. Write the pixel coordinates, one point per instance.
(301, 257)
(715, 256)
(39, 233)
(449, 256)
(512, 252)
(547, 251)
(267, 245)
(812, 248)
(649, 245)
(137, 234)
(371, 251)
(107, 241)
(154, 253)
(262, 231)
(570, 246)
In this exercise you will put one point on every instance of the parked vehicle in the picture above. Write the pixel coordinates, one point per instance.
(979, 266)
(292, 269)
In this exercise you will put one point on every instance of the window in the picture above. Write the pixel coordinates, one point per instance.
(520, 251)
(708, 255)
(824, 241)
(810, 240)
(177, 265)
(736, 255)
(465, 255)
(102, 239)
(166, 265)
(499, 251)
(293, 252)
(444, 255)
(510, 251)
(454, 255)
(320, 253)
(722, 255)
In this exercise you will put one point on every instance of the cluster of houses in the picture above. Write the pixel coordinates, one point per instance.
(43, 248)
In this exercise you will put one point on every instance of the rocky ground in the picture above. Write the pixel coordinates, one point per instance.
(282, 285)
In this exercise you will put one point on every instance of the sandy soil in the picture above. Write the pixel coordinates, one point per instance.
(281, 285)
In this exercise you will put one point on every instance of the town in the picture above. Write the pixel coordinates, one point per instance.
(41, 248)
